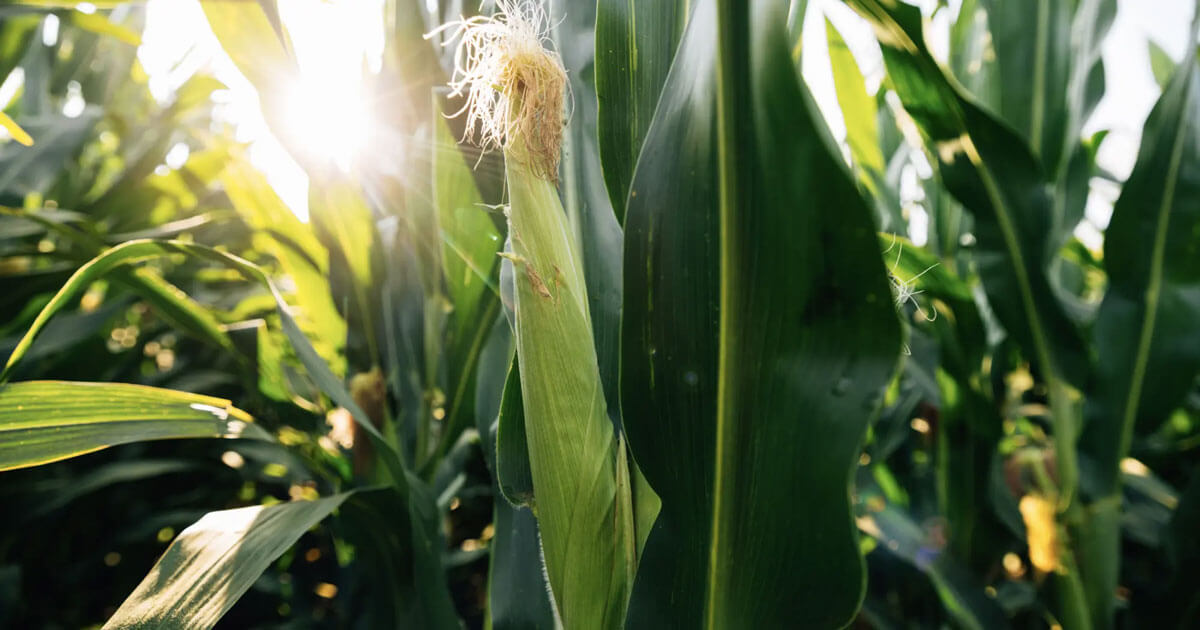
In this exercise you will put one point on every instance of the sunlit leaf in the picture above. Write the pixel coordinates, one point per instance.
(45, 421)
(15, 130)
(214, 561)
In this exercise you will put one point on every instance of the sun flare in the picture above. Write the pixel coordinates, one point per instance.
(327, 112)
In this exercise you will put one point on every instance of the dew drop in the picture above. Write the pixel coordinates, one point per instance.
(691, 378)
(841, 386)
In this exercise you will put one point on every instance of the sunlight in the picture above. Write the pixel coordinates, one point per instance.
(337, 42)
(327, 113)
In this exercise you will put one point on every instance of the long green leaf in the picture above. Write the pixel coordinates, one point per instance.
(635, 42)
(214, 561)
(517, 595)
(585, 197)
(858, 107)
(470, 241)
(137, 251)
(758, 334)
(47, 421)
(1150, 354)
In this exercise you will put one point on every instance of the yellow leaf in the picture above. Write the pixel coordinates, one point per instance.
(15, 130)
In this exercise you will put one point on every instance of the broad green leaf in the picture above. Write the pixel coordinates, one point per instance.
(249, 35)
(1032, 41)
(216, 560)
(1150, 354)
(46, 421)
(300, 256)
(512, 444)
(635, 42)
(518, 597)
(758, 335)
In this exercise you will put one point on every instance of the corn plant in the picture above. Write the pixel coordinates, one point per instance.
(607, 330)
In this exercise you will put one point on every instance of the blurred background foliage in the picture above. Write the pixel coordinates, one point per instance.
(395, 283)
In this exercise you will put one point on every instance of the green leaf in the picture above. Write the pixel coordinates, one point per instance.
(858, 107)
(247, 32)
(100, 24)
(635, 42)
(405, 585)
(517, 595)
(512, 446)
(1032, 41)
(972, 52)
(758, 335)
(216, 560)
(47, 421)
(470, 241)
(1151, 351)
(1161, 64)
(991, 172)
(168, 300)
(175, 305)
(585, 197)
(137, 251)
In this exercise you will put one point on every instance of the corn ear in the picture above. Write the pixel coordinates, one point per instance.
(582, 493)
(582, 486)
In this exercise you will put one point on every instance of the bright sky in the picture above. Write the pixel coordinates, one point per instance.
(333, 36)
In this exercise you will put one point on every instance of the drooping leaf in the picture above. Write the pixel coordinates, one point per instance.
(46, 421)
(214, 561)
(137, 251)
(758, 335)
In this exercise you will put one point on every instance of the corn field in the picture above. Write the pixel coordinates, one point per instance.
(611, 318)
